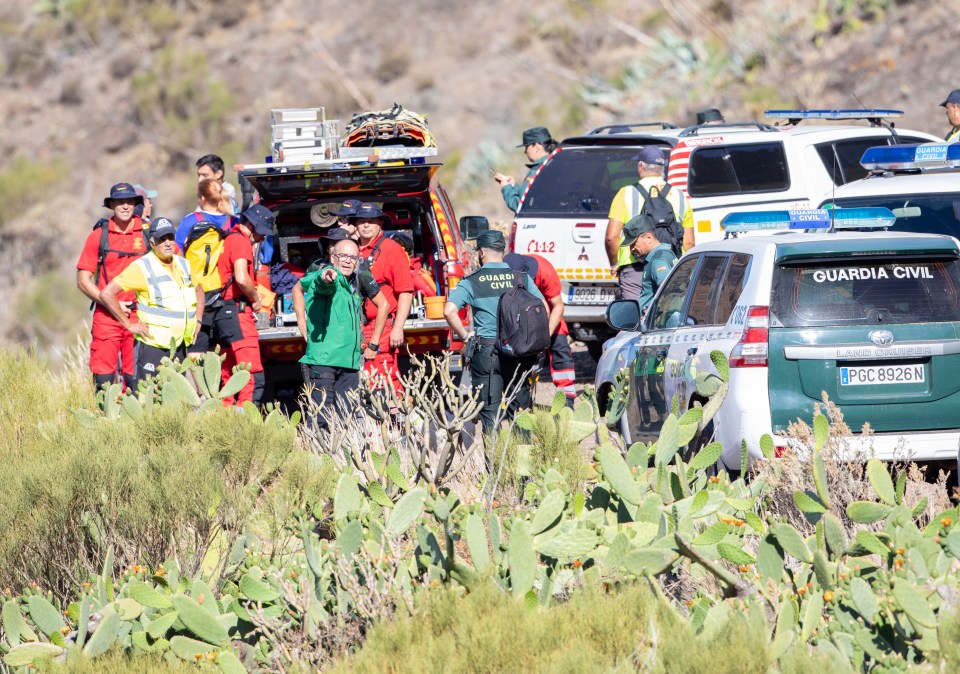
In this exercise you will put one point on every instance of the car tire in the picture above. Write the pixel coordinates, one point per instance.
(595, 349)
(702, 440)
(625, 431)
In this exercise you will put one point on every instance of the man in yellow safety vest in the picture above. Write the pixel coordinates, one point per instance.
(169, 304)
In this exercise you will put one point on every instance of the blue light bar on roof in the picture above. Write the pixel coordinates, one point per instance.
(816, 218)
(862, 218)
(911, 157)
(754, 221)
(832, 114)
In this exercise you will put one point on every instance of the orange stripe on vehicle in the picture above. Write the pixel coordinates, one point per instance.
(449, 244)
(703, 226)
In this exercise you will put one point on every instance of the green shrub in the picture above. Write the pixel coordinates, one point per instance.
(158, 488)
(487, 631)
(26, 181)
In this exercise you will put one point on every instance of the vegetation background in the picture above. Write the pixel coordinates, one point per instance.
(97, 91)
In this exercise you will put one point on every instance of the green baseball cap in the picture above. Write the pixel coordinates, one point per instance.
(492, 239)
(637, 225)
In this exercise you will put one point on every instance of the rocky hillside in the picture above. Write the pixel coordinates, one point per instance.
(97, 91)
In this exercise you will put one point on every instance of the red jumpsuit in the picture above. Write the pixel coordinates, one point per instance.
(390, 267)
(236, 324)
(110, 340)
(561, 355)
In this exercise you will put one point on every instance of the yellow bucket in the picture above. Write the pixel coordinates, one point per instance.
(434, 306)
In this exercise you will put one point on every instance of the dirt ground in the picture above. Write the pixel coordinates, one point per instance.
(585, 367)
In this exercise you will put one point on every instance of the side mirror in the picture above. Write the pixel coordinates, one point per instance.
(472, 225)
(624, 315)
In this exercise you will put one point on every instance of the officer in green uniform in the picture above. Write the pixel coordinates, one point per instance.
(537, 143)
(952, 105)
(658, 259)
(490, 371)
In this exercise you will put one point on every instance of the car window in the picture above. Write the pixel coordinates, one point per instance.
(841, 158)
(871, 291)
(705, 287)
(666, 309)
(580, 181)
(738, 169)
(920, 213)
(732, 287)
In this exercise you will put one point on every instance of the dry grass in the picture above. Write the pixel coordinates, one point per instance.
(846, 474)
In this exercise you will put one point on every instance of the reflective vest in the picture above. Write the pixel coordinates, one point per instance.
(635, 201)
(169, 307)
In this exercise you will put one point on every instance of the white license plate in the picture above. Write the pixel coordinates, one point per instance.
(589, 295)
(882, 374)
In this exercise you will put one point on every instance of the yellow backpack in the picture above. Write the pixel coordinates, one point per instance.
(203, 248)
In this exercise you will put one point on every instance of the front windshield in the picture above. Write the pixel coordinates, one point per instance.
(919, 213)
(580, 182)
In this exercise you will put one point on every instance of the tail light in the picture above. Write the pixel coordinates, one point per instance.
(454, 272)
(752, 349)
(513, 236)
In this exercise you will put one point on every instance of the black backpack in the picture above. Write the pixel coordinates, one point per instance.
(523, 324)
(669, 230)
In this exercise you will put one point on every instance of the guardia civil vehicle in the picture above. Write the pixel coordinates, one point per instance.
(919, 183)
(793, 160)
(836, 307)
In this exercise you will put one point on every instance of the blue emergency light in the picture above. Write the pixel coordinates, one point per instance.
(862, 218)
(911, 157)
(815, 218)
(832, 114)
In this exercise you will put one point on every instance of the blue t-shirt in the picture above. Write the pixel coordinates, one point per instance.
(482, 290)
(224, 222)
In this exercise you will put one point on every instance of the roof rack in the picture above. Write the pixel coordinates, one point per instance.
(874, 115)
(695, 129)
(348, 156)
(628, 127)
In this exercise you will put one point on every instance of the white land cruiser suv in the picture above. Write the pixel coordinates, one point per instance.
(723, 167)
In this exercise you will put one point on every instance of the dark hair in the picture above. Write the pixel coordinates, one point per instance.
(211, 160)
(550, 145)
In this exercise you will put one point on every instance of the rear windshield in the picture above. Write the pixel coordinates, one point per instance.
(717, 170)
(841, 158)
(867, 292)
(581, 182)
(922, 213)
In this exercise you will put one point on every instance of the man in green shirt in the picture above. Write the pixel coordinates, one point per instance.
(640, 235)
(538, 144)
(490, 372)
(327, 304)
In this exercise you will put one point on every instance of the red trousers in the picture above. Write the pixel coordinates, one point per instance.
(384, 366)
(109, 342)
(245, 350)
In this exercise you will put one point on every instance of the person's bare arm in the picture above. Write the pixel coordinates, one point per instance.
(86, 285)
(452, 315)
(404, 300)
(379, 323)
(689, 240)
(242, 276)
(108, 298)
(555, 306)
(300, 309)
(612, 240)
(200, 304)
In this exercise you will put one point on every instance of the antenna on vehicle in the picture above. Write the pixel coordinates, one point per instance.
(877, 121)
